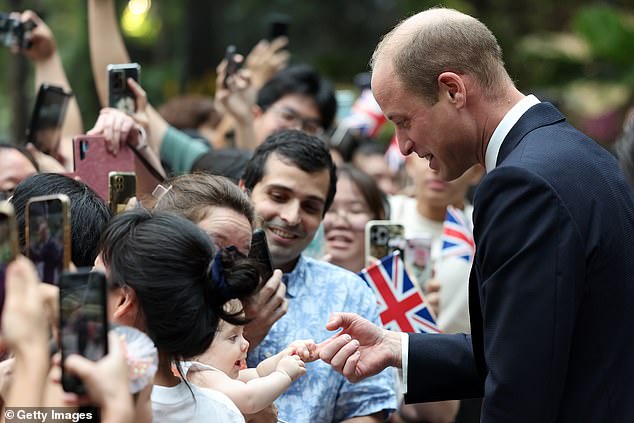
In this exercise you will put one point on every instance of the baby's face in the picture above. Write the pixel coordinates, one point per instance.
(228, 351)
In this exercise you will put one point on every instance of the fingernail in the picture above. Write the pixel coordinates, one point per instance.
(347, 337)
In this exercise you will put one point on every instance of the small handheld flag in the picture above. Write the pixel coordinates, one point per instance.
(457, 236)
(401, 305)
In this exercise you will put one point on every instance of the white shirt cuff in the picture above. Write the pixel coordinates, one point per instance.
(404, 349)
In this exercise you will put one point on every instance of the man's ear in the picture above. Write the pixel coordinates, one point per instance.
(452, 87)
(242, 186)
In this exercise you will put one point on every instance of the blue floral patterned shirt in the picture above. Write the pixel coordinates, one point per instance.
(315, 289)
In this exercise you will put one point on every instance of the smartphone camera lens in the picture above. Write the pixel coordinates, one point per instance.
(382, 236)
(119, 80)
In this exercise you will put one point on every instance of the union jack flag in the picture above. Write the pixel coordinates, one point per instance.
(402, 307)
(395, 159)
(366, 115)
(457, 236)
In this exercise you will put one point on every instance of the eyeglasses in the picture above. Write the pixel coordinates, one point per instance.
(291, 118)
(355, 218)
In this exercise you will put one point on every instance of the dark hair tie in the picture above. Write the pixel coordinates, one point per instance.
(218, 276)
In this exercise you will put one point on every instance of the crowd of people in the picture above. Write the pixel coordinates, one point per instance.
(536, 321)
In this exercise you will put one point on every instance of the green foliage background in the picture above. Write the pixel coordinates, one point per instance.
(577, 53)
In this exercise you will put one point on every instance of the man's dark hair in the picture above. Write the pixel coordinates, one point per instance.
(89, 214)
(303, 80)
(305, 151)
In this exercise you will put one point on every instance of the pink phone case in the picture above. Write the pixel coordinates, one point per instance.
(93, 162)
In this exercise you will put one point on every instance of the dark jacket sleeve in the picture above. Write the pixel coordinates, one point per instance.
(441, 367)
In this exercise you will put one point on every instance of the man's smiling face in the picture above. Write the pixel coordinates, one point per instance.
(289, 204)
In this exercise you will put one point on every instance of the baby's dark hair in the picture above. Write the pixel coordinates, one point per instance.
(167, 260)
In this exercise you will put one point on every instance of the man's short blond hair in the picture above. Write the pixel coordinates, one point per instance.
(439, 40)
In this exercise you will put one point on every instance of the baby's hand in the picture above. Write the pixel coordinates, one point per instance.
(292, 366)
(305, 349)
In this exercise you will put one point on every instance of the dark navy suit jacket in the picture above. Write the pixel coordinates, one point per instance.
(551, 288)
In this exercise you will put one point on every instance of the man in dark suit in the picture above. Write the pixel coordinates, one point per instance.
(552, 285)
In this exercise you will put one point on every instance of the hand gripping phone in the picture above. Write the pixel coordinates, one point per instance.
(120, 96)
(83, 320)
(232, 64)
(47, 119)
(48, 235)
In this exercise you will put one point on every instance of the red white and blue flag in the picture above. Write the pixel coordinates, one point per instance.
(457, 236)
(366, 115)
(402, 307)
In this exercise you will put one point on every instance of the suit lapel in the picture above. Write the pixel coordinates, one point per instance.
(541, 114)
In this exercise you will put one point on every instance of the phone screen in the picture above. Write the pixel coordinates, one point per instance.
(45, 130)
(47, 236)
(120, 96)
(260, 252)
(83, 319)
(8, 244)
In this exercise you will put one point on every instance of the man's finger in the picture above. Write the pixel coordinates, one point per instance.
(339, 360)
(329, 348)
(340, 320)
(350, 367)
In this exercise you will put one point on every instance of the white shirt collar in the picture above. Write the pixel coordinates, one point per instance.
(503, 129)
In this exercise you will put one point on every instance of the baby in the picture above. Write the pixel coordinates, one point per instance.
(223, 368)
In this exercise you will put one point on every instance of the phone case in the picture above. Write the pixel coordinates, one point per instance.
(232, 65)
(418, 257)
(51, 234)
(119, 95)
(93, 163)
(47, 118)
(382, 237)
(121, 187)
(260, 251)
(83, 320)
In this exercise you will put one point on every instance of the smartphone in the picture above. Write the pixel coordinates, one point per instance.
(232, 64)
(93, 163)
(278, 26)
(383, 237)
(120, 96)
(260, 252)
(83, 320)
(14, 33)
(47, 118)
(47, 235)
(418, 257)
(8, 244)
(121, 187)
